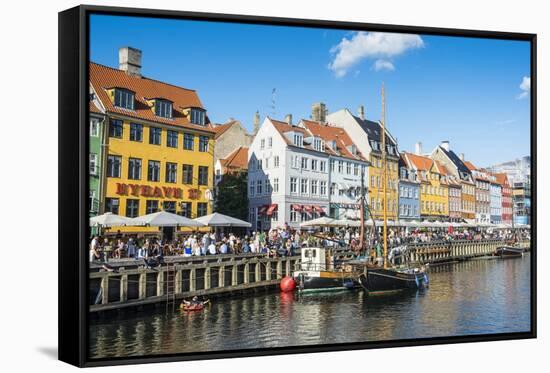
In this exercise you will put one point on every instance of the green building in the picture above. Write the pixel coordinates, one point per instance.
(96, 139)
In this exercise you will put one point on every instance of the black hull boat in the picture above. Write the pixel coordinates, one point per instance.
(324, 281)
(390, 280)
(509, 252)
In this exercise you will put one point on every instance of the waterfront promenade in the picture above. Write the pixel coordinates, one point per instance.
(133, 284)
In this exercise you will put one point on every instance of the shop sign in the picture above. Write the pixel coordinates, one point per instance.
(137, 190)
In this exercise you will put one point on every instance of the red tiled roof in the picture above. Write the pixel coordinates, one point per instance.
(221, 128)
(502, 179)
(419, 161)
(470, 166)
(94, 108)
(236, 160)
(103, 78)
(329, 133)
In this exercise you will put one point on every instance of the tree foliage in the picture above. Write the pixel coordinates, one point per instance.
(231, 195)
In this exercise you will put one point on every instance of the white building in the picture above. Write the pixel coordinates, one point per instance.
(287, 176)
(346, 165)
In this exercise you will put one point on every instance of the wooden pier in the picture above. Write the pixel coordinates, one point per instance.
(132, 285)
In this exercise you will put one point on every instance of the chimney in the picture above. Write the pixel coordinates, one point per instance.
(129, 60)
(288, 118)
(445, 145)
(462, 157)
(418, 148)
(361, 112)
(256, 122)
(319, 112)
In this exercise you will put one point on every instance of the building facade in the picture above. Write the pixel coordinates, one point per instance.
(229, 137)
(495, 190)
(521, 194)
(455, 166)
(434, 188)
(366, 135)
(507, 213)
(409, 192)
(158, 148)
(483, 193)
(455, 198)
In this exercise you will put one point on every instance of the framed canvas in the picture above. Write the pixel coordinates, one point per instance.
(236, 186)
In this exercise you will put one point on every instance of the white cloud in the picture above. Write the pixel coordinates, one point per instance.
(376, 45)
(383, 65)
(525, 86)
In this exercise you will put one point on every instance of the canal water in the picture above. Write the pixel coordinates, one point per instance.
(468, 298)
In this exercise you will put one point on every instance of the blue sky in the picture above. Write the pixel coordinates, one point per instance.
(464, 90)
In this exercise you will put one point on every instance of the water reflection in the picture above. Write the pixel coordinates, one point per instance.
(481, 296)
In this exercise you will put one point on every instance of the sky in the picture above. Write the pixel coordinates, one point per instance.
(472, 92)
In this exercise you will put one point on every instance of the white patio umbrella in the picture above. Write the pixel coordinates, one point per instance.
(166, 219)
(220, 220)
(323, 221)
(110, 220)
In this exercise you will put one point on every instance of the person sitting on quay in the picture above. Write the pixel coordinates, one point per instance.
(211, 249)
(223, 247)
(119, 251)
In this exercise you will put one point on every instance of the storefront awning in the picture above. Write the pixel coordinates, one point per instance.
(262, 210)
(319, 209)
(296, 207)
(271, 209)
(308, 208)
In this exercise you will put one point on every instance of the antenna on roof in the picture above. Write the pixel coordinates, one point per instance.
(272, 106)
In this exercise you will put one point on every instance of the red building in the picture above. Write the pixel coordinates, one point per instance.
(507, 211)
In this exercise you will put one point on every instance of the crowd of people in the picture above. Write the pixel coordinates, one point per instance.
(275, 242)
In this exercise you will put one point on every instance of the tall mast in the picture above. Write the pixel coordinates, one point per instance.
(384, 177)
(362, 211)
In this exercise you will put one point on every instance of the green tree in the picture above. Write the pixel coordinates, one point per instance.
(231, 196)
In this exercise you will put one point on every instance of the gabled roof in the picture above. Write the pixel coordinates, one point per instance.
(221, 128)
(103, 78)
(283, 127)
(470, 165)
(461, 167)
(419, 162)
(237, 160)
(329, 134)
(502, 179)
(374, 130)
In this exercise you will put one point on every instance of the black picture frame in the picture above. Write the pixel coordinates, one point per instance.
(73, 182)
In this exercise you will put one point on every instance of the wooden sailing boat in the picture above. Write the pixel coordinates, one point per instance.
(387, 278)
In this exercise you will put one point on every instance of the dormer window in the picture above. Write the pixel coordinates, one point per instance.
(198, 116)
(124, 98)
(298, 139)
(163, 108)
(318, 144)
(353, 149)
(333, 145)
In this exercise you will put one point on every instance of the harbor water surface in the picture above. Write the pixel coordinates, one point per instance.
(468, 298)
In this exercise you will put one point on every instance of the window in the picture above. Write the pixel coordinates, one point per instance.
(134, 169)
(304, 163)
(276, 161)
(262, 144)
(203, 143)
(169, 206)
(186, 209)
(356, 169)
(303, 186)
(172, 139)
(151, 206)
(153, 171)
(92, 201)
(323, 166)
(267, 186)
(323, 188)
(136, 132)
(115, 128)
(171, 172)
(251, 189)
(314, 187)
(154, 135)
(203, 175)
(340, 166)
(252, 214)
(163, 108)
(93, 164)
(132, 208)
(295, 161)
(198, 116)
(269, 142)
(332, 165)
(293, 185)
(111, 205)
(258, 187)
(318, 144)
(314, 163)
(124, 99)
(276, 185)
(113, 166)
(187, 174)
(94, 127)
(298, 139)
(293, 216)
(333, 189)
(188, 141)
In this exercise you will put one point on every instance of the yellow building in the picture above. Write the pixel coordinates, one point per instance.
(159, 146)
(434, 187)
(375, 186)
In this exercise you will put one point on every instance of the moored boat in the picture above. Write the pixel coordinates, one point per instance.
(378, 280)
(509, 251)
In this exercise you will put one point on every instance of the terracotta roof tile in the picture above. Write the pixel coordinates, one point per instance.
(103, 78)
(221, 128)
(419, 161)
(502, 179)
(236, 160)
(94, 108)
(470, 165)
(329, 133)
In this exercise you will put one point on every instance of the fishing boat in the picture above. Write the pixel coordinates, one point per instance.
(319, 272)
(509, 251)
(387, 277)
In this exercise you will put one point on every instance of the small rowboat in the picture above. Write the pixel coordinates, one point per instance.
(509, 251)
(191, 307)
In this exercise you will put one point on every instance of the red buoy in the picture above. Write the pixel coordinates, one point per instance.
(287, 284)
